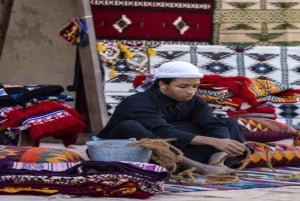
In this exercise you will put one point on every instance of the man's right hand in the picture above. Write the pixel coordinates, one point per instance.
(231, 147)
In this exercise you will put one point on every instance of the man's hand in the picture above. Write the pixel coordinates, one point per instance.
(231, 147)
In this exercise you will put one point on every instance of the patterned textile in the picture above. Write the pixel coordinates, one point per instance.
(249, 178)
(121, 63)
(177, 20)
(265, 130)
(75, 32)
(257, 22)
(37, 154)
(277, 155)
(43, 119)
(251, 91)
(87, 178)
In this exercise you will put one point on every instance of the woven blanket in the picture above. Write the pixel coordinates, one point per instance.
(249, 178)
(176, 20)
(86, 178)
(257, 22)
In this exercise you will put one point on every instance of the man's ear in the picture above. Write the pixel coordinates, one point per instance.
(162, 85)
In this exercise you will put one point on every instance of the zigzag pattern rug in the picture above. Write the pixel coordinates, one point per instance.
(249, 178)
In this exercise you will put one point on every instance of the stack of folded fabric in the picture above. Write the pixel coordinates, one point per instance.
(30, 113)
(251, 101)
(241, 95)
(85, 178)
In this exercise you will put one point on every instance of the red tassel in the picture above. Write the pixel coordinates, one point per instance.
(238, 85)
(138, 80)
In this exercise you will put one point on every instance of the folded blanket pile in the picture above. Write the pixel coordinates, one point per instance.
(39, 111)
(85, 178)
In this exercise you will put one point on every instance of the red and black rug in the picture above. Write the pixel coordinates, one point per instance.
(155, 20)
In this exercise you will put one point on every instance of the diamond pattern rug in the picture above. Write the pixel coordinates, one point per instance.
(176, 20)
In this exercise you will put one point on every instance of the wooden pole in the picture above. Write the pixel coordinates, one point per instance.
(91, 72)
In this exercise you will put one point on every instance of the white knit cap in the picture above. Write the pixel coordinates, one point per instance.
(177, 69)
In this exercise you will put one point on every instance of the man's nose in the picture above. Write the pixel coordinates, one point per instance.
(191, 90)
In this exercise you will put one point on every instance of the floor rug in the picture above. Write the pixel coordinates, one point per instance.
(249, 178)
(155, 20)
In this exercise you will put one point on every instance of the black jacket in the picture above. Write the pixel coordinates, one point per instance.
(157, 113)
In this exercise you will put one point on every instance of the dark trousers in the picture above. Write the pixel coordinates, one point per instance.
(201, 153)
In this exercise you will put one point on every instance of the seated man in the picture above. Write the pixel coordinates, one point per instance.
(170, 109)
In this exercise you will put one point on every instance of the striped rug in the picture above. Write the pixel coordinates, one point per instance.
(248, 178)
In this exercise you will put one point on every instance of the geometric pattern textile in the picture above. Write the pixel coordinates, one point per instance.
(265, 130)
(43, 119)
(120, 70)
(155, 20)
(264, 124)
(277, 155)
(257, 22)
(85, 178)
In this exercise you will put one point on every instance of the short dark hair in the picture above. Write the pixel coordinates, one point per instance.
(167, 81)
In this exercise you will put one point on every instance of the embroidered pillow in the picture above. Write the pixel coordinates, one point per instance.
(37, 154)
(265, 130)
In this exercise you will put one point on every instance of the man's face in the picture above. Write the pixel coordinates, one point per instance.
(180, 89)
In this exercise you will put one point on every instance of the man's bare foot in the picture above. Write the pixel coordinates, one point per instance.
(215, 170)
(205, 169)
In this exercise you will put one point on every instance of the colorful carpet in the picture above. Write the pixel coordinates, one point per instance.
(177, 20)
(249, 178)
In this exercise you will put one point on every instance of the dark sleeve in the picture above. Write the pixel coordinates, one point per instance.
(209, 125)
(146, 113)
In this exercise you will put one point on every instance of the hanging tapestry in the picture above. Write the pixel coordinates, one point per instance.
(177, 20)
(257, 22)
